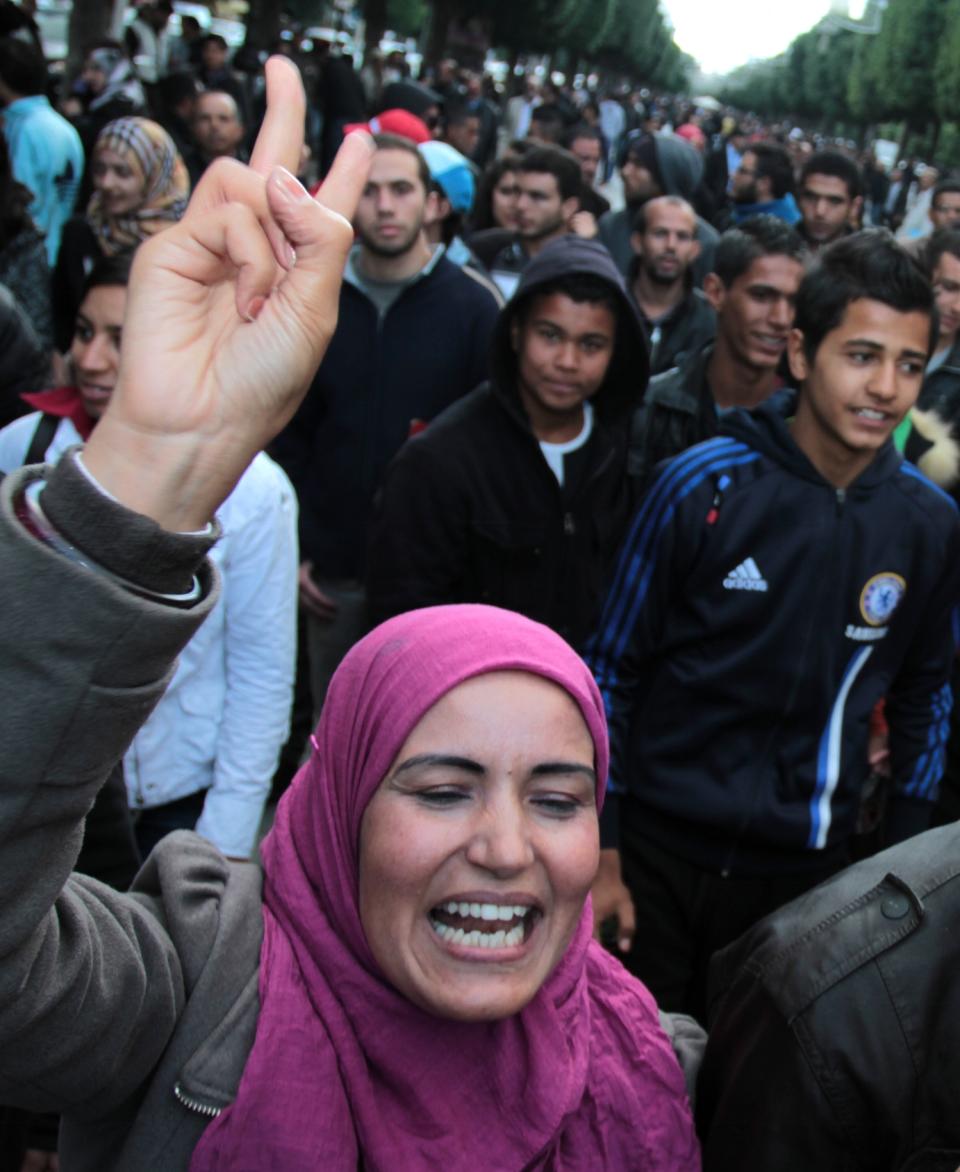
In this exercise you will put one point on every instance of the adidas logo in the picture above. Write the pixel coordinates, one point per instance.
(746, 577)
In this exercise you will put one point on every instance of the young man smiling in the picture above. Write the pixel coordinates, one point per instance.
(517, 495)
(752, 288)
(776, 583)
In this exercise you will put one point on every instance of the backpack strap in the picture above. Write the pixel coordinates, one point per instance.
(42, 438)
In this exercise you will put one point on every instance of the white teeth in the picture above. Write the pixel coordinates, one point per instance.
(867, 413)
(492, 913)
(485, 911)
(498, 939)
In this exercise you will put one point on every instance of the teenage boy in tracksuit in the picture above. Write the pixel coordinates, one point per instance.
(776, 582)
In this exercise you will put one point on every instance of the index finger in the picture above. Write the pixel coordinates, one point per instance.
(340, 190)
(281, 135)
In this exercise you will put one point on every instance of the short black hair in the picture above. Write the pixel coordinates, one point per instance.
(22, 67)
(944, 240)
(397, 142)
(948, 186)
(551, 119)
(109, 270)
(837, 166)
(557, 162)
(756, 237)
(773, 163)
(582, 130)
(456, 112)
(214, 39)
(868, 265)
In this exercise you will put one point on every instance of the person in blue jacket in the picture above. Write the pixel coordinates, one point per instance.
(777, 581)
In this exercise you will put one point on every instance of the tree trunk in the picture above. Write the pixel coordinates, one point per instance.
(905, 139)
(375, 16)
(443, 10)
(263, 23)
(937, 127)
(90, 21)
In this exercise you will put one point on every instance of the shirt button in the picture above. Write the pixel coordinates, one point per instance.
(895, 907)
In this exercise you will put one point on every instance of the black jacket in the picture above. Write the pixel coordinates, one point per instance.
(756, 616)
(681, 333)
(941, 389)
(678, 411)
(380, 382)
(835, 1025)
(470, 510)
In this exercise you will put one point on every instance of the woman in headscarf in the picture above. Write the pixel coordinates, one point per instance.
(140, 187)
(427, 992)
(350, 1006)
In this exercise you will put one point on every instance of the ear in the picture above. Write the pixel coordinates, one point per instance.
(636, 243)
(569, 208)
(764, 190)
(855, 206)
(714, 290)
(432, 209)
(797, 358)
(694, 251)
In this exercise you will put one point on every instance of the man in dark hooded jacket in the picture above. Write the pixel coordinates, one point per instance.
(652, 165)
(517, 495)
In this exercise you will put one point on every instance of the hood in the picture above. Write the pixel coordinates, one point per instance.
(408, 95)
(680, 166)
(766, 429)
(785, 208)
(629, 368)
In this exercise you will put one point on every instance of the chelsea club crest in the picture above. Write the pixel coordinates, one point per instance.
(880, 597)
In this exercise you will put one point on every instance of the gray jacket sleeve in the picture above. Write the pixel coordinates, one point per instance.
(91, 983)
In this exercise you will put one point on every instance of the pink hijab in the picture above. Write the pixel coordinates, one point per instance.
(344, 1071)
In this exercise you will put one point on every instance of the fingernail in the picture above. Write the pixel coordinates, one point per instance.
(290, 186)
(289, 256)
(624, 943)
(254, 308)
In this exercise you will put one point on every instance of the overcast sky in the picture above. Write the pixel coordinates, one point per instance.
(723, 35)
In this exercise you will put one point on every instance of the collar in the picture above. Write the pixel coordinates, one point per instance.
(65, 403)
(352, 271)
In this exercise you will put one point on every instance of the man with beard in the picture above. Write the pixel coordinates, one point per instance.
(652, 165)
(413, 335)
(217, 132)
(550, 184)
(831, 196)
(678, 318)
(753, 289)
(763, 185)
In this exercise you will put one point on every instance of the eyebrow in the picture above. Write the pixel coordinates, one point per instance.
(451, 761)
(549, 768)
(878, 347)
(448, 760)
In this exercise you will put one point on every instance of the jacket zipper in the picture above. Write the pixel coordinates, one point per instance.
(195, 1105)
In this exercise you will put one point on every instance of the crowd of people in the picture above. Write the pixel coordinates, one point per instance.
(585, 467)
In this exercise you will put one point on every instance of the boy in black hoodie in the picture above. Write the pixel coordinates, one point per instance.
(777, 582)
(518, 494)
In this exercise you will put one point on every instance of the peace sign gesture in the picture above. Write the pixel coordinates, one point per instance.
(228, 316)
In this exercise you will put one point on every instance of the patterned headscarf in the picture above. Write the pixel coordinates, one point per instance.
(147, 148)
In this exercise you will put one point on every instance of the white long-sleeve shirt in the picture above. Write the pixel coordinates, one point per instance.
(225, 716)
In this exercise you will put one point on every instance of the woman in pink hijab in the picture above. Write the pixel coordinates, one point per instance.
(431, 996)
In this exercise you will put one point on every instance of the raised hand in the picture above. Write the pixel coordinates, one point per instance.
(228, 316)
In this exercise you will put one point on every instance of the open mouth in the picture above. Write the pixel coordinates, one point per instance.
(484, 925)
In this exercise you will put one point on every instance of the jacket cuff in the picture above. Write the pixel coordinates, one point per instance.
(126, 544)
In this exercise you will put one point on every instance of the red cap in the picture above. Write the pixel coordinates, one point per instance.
(400, 122)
